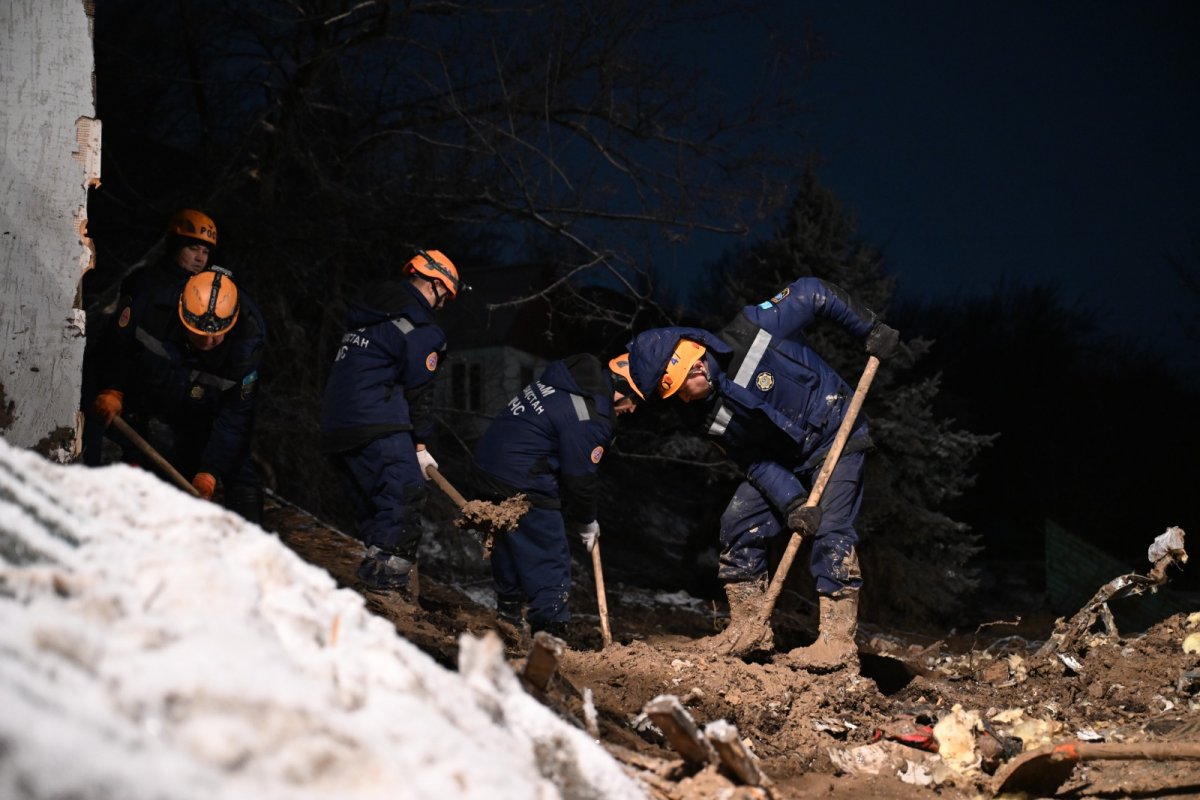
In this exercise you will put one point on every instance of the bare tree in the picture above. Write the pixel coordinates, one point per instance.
(330, 138)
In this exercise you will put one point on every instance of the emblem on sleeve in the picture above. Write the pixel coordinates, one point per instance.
(764, 381)
(777, 299)
(196, 392)
(597, 454)
(123, 320)
(431, 361)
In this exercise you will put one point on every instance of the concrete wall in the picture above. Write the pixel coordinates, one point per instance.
(49, 155)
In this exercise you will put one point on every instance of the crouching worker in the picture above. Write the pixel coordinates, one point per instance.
(185, 375)
(548, 443)
(377, 411)
(774, 405)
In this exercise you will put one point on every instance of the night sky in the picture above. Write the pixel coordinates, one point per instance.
(1019, 142)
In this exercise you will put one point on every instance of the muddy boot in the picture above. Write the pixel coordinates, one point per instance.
(834, 647)
(746, 599)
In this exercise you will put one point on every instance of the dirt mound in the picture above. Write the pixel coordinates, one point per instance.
(872, 733)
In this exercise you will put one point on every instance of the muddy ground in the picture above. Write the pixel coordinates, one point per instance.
(841, 735)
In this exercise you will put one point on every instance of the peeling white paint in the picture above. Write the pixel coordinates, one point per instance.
(51, 156)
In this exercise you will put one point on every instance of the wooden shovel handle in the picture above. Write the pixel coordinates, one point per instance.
(601, 598)
(814, 497)
(129, 433)
(1150, 751)
(445, 486)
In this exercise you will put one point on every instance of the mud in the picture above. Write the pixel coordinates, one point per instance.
(494, 517)
(988, 696)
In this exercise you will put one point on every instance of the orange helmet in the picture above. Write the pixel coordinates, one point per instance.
(434, 265)
(619, 367)
(679, 365)
(208, 305)
(191, 224)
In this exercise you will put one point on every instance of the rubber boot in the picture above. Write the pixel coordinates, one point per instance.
(834, 647)
(746, 600)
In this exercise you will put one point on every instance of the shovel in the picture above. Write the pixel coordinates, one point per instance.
(601, 599)
(752, 631)
(1041, 772)
(129, 433)
(494, 518)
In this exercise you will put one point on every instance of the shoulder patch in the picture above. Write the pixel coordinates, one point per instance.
(431, 361)
(764, 381)
(248, 384)
(597, 454)
(123, 320)
(777, 299)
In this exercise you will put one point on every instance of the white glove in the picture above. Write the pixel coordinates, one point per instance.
(426, 460)
(589, 532)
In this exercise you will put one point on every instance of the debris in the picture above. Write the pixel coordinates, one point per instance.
(838, 727)
(1169, 549)
(1071, 663)
(734, 754)
(680, 729)
(889, 759)
(1041, 772)
(955, 734)
(543, 659)
(908, 731)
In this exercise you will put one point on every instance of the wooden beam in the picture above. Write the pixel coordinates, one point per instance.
(680, 729)
(734, 754)
(542, 661)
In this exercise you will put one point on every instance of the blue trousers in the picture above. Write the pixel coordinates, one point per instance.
(750, 521)
(533, 564)
(385, 484)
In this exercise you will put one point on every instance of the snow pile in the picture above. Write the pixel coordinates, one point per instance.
(155, 646)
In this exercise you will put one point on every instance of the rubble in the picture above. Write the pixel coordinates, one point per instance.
(690, 725)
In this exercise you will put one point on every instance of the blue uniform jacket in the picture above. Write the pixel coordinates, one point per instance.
(383, 370)
(549, 440)
(776, 404)
(163, 376)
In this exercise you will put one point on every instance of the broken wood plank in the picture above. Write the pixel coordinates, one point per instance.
(680, 729)
(542, 661)
(734, 754)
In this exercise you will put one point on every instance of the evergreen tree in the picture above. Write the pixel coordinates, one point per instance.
(916, 559)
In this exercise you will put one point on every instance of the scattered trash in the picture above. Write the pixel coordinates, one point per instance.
(1166, 550)
(1072, 663)
(891, 759)
(908, 731)
(955, 734)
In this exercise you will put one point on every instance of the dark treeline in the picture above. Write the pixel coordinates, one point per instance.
(1096, 433)
(329, 139)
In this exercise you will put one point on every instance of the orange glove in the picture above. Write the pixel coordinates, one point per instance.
(204, 483)
(107, 405)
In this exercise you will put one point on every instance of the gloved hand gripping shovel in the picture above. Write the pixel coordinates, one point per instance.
(491, 518)
(744, 640)
(129, 433)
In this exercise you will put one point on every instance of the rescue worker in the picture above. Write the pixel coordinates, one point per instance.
(773, 405)
(190, 238)
(185, 375)
(377, 411)
(547, 443)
